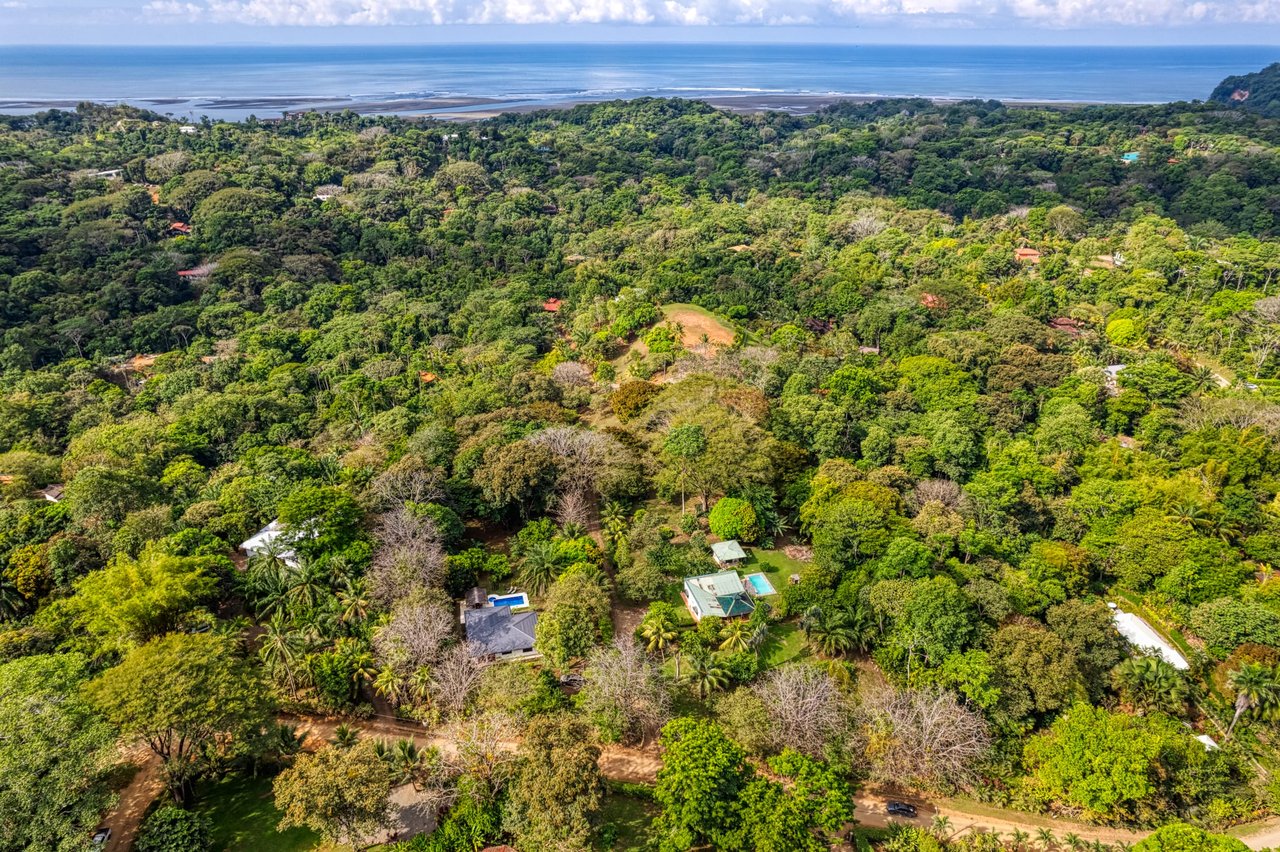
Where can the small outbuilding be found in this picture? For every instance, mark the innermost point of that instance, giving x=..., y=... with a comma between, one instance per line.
x=476, y=598
x=1026, y=255
x=552, y=305
x=727, y=553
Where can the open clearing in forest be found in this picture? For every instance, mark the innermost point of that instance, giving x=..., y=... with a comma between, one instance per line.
x=696, y=322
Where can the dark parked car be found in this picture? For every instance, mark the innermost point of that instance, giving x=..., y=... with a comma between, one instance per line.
x=901, y=809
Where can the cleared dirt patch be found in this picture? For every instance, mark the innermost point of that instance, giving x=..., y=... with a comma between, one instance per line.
x=697, y=322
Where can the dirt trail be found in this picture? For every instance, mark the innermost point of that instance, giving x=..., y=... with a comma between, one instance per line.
x=126, y=817
x=1265, y=835
x=633, y=765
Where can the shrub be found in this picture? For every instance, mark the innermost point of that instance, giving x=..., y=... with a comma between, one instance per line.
x=172, y=829
x=631, y=398
x=732, y=518
x=1226, y=623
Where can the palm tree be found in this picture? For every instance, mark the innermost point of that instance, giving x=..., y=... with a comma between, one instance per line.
x=307, y=584
x=540, y=567
x=1257, y=690
x=360, y=657
x=1149, y=683
x=420, y=685
x=345, y=736
x=736, y=636
x=941, y=826
x=353, y=602
x=407, y=763
x=11, y=600
x=659, y=633
x=1045, y=838
x=389, y=684
x=573, y=530
x=1019, y=838
x=830, y=634
x=1190, y=512
x=613, y=520
x=1074, y=840
x=282, y=648
x=707, y=676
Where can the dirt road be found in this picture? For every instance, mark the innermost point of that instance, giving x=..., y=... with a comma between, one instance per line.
x=637, y=765
x=961, y=819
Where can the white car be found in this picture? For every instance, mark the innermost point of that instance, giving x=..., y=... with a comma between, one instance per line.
x=101, y=837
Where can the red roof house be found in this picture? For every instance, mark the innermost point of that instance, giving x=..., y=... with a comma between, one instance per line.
x=1026, y=255
x=178, y=229
x=201, y=271
x=551, y=305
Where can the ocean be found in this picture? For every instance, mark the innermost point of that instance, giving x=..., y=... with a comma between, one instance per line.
x=234, y=82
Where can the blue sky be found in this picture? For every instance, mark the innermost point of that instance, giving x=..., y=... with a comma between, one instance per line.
x=1120, y=22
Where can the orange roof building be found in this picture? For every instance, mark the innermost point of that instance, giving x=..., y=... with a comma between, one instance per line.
x=1026, y=255
x=552, y=305
x=427, y=377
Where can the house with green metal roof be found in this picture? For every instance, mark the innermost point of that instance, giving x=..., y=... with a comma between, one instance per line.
x=721, y=595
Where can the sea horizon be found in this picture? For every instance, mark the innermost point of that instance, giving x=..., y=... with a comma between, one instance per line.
x=461, y=80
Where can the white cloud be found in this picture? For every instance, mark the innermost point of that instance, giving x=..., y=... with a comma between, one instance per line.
x=1039, y=13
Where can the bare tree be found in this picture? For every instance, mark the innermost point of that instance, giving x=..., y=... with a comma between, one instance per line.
x=923, y=737
x=485, y=748
x=943, y=491
x=455, y=679
x=806, y=708
x=408, y=480
x=1242, y=413
x=571, y=374
x=584, y=456
x=626, y=694
x=408, y=555
x=1264, y=321
x=572, y=507
x=415, y=635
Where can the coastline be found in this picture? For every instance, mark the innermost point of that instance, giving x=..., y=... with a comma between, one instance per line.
x=467, y=108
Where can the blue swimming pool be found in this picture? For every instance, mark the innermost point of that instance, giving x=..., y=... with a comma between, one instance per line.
x=519, y=599
x=760, y=585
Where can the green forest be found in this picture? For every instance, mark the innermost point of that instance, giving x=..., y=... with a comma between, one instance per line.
x=641, y=476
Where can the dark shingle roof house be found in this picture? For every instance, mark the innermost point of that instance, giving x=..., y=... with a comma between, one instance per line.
x=497, y=631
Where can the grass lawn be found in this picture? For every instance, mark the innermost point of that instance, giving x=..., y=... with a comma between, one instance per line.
x=630, y=817
x=774, y=564
x=785, y=644
x=245, y=818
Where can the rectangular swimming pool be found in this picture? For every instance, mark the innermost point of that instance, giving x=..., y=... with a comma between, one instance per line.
x=760, y=585
x=518, y=599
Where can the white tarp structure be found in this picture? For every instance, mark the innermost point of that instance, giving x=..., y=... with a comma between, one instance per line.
x=263, y=542
x=1146, y=640
x=1209, y=743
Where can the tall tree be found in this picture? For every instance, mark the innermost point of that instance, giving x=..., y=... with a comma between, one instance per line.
x=703, y=775
x=56, y=752
x=555, y=796
x=342, y=793
x=182, y=694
